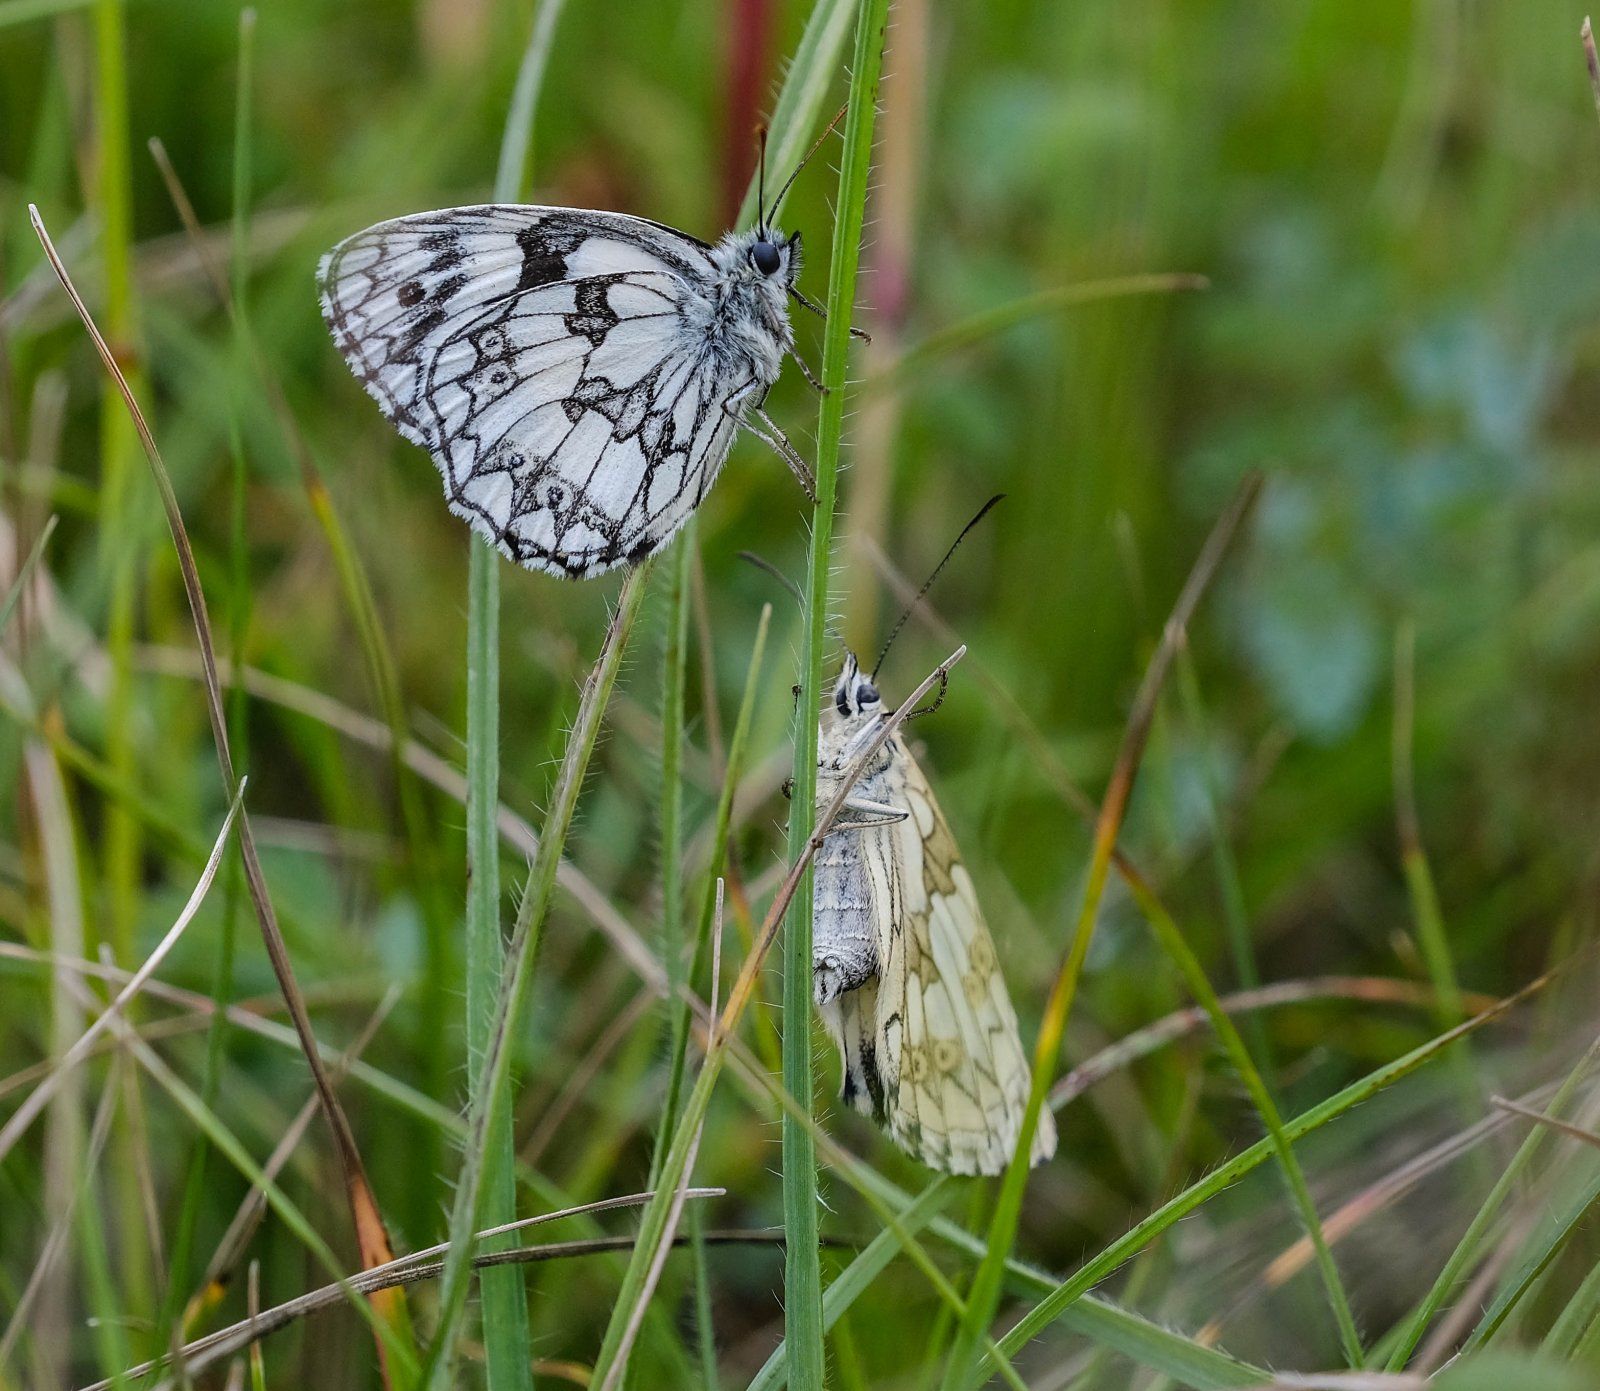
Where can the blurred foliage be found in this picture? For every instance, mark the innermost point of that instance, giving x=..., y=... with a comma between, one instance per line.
x=1396, y=207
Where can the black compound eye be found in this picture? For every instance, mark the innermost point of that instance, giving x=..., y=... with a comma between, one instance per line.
x=764, y=257
x=866, y=694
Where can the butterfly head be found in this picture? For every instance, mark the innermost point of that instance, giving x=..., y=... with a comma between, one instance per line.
x=771, y=256
x=854, y=695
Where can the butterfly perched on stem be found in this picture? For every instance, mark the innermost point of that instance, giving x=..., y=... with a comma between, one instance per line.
x=904, y=972
x=578, y=377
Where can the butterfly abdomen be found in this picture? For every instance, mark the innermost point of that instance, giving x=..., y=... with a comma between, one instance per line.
x=844, y=944
x=849, y=1019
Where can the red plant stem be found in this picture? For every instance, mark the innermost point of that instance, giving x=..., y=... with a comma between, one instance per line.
x=749, y=44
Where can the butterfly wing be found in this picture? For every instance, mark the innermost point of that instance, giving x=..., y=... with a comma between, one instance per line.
x=951, y=1077
x=541, y=356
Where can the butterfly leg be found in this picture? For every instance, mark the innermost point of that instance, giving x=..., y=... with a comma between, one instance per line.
x=938, y=700
x=822, y=313
x=769, y=432
x=866, y=814
x=808, y=374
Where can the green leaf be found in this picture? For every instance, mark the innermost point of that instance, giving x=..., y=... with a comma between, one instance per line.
x=1498, y=1371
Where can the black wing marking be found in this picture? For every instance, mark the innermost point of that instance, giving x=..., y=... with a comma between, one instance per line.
x=540, y=356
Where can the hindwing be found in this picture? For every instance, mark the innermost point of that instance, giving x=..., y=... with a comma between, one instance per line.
x=930, y=1046
x=543, y=358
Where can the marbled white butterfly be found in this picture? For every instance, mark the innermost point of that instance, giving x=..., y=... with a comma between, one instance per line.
x=578, y=377
x=904, y=972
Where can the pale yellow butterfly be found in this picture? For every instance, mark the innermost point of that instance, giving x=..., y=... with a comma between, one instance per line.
x=905, y=974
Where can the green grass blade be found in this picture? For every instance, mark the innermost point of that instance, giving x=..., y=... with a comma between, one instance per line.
x=122, y=538
x=1586, y=1352
x=120, y=510
x=704, y=1324
x=802, y=1267
x=1496, y=1370
x=1423, y=894
x=721, y=824
x=503, y=1289
x=858, y=1275
x=61, y=907
x=507, y=1353
x=423, y=861
x=104, y=1297
x=1466, y=1249
x=811, y=73
x=513, y=175
x=1235, y=915
x=912, y=364
x=1194, y=975
x=1577, y=1314
x=1556, y=1227
x=1142, y=1341
x=673, y=681
x=19, y=585
x=491, y=1079
x=657, y=1215
x=1431, y=934
x=1112, y=1257
x=986, y=1284
x=178, y=1260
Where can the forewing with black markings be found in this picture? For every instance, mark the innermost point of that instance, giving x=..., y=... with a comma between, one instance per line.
x=929, y=1043
x=546, y=358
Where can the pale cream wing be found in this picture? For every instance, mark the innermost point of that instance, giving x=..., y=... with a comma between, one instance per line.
x=954, y=1075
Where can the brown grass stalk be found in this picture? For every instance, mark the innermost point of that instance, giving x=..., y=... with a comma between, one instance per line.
x=420, y=1265
x=371, y=1236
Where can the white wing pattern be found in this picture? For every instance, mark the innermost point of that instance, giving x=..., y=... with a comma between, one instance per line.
x=542, y=356
x=930, y=1043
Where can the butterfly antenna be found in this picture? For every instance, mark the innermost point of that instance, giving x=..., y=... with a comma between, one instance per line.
x=788, y=183
x=761, y=177
x=762, y=563
x=928, y=583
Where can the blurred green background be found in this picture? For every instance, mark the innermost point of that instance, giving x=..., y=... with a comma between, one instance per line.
x=1395, y=207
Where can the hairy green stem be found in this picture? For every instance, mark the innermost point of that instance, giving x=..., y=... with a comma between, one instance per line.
x=673, y=681
x=491, y=1079
x=721, y=824
x=504, y=1288
x=803, y=1331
